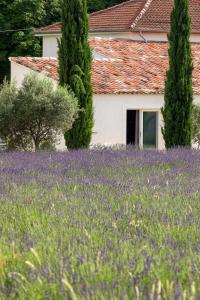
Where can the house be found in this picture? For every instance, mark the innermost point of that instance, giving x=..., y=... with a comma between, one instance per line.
x=129, y=65
x=128, y=84
x=141, y=20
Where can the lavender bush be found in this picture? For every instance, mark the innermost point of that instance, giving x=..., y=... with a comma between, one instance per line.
x=100, y=224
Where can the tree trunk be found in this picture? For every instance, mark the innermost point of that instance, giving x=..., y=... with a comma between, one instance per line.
x=37, y=145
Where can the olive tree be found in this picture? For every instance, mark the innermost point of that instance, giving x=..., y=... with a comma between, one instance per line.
x=36, y=113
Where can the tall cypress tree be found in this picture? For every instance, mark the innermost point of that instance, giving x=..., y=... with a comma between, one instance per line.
x=177, y=110
x=75, y=61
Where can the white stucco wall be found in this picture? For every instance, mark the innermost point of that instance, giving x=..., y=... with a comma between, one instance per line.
x=110, y=112
x=110, y=116
x=135, y=36
x=50, y=44
x=141, y=36
x=197, y=99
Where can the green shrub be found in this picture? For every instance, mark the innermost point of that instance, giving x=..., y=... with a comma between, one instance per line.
x=35, y=114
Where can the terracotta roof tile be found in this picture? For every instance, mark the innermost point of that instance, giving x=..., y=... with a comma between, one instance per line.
x=118, y=17
x=133, y=67
x=53, y=28
x=134, y=15
x=47, y=66
x=157, y=16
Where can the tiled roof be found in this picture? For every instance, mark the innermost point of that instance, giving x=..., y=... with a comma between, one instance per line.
x=157, y=17
x=119, y=17
x=134, y=15
x=46, y=65
x=53, y=28
x=133, y=67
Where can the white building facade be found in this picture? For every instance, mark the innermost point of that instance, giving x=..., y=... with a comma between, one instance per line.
x=129, y=67
x=119, y=119
x=50, y=41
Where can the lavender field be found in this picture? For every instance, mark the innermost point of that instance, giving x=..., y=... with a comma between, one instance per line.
x=103, y=225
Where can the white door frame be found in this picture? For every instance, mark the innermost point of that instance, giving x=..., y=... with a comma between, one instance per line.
x=141, y=110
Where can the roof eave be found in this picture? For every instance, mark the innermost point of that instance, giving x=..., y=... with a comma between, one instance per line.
x=111, y=30
x=124, y=30
x=158, y=30
x=46, y=33
x=91, y=31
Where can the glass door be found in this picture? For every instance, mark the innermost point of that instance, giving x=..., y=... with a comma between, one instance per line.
x=132, y=127
x=149, y=129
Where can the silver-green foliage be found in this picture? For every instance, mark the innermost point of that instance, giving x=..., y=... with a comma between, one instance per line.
x=36, y=113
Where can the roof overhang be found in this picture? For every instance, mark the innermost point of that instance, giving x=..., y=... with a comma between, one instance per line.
x=40, y=34
x=135, y=30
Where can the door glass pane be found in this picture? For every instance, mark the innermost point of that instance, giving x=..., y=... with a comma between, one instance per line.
x=132, y=127
x=149, y=129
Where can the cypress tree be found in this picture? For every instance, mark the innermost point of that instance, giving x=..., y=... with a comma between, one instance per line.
x=177, y=111
x=75, y=61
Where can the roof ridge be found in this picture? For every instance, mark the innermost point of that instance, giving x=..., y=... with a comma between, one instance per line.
x=111, y=7
x=41, y=29
x=141, y=14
